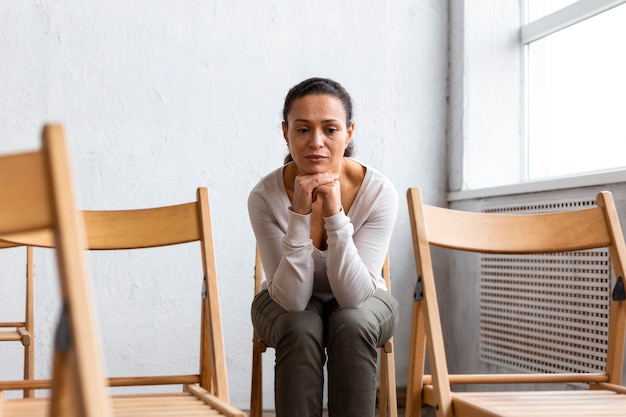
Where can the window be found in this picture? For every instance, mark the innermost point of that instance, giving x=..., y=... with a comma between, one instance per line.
x=575, y=92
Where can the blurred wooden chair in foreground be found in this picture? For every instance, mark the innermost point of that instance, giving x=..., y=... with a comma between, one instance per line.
x=41, y=212
x=23, y=331
x=387, y=397
x=36, y=190
x=560, y=232
x=203, y=393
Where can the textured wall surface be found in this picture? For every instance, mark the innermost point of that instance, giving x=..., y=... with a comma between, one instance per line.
x=159, y=97
x=485, y=118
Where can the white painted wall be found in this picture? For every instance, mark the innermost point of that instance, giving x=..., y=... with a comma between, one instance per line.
x=486, y=84
x=161, y=96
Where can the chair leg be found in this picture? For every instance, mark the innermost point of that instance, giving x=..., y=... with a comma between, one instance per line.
x=388, y=405
x=416, y=363
x=62, y=403
x=29, y=367
x=256, y=391
x=29, y=349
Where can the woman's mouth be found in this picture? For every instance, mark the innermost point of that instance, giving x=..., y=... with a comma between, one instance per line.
x=316, y=158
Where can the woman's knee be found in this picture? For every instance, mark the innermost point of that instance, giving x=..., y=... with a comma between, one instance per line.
x=375, y=321
x=351, y=323
x=299, y=327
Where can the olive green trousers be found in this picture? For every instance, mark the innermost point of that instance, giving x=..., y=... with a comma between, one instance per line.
x=349, y=336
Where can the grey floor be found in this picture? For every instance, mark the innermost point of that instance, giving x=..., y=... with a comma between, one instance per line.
x=426, y=412
x=325, y=414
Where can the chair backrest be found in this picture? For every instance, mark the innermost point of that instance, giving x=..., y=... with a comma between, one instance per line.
x=37, y=192
x=158, y=227
x=589, y=228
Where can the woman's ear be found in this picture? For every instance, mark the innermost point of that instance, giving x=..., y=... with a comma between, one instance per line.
x=350, y=131
x=284, y=127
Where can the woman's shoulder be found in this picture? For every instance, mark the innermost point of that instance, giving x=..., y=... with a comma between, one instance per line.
x=270, y=182
x=374, y=177
x=266, y=191
x=377, y=196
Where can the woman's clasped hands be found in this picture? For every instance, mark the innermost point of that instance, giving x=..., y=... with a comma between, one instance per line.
x=314, y=192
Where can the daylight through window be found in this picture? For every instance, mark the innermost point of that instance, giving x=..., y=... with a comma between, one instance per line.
x=575, y=87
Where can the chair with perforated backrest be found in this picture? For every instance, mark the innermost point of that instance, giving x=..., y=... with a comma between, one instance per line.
x=23, y=331
x=388, y=404
x=205, y=392
x=36, y=191
x=490, y=233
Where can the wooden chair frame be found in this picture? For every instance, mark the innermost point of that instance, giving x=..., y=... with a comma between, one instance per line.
x=513, y=234
x=37, y=193
x=24, y=331
x=157, y=227
x=387, y=398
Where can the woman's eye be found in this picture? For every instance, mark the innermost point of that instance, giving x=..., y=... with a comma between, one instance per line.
x=302, y=130
x=331, y=129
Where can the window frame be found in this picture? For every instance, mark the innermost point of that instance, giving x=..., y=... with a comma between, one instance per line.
x=540, y=28
x=474, y=138
x=565, y=17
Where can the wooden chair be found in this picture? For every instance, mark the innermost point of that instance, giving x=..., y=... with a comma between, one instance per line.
x=24, y=331
x=206, y=392
x=36, y=191
x=388, y=404
x=512, y=234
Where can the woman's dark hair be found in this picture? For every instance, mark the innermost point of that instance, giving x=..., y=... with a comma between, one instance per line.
x=319, y=86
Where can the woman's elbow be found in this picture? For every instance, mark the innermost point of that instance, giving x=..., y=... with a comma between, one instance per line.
x=353, y=300
x=289, y=303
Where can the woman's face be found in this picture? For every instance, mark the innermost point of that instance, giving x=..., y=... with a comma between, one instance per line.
x=316, y=133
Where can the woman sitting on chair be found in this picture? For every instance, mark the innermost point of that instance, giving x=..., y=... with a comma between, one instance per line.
x=323, y=223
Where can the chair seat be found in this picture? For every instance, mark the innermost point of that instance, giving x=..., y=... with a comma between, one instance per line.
x=576, y=403
x=196, y=403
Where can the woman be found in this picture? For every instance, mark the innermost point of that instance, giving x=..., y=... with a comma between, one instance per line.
x=323, y=223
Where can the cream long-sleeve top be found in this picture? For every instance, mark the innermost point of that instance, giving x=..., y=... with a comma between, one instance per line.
x=357, y=243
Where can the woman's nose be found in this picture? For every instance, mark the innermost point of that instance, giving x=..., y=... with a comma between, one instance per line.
x=317, y=138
